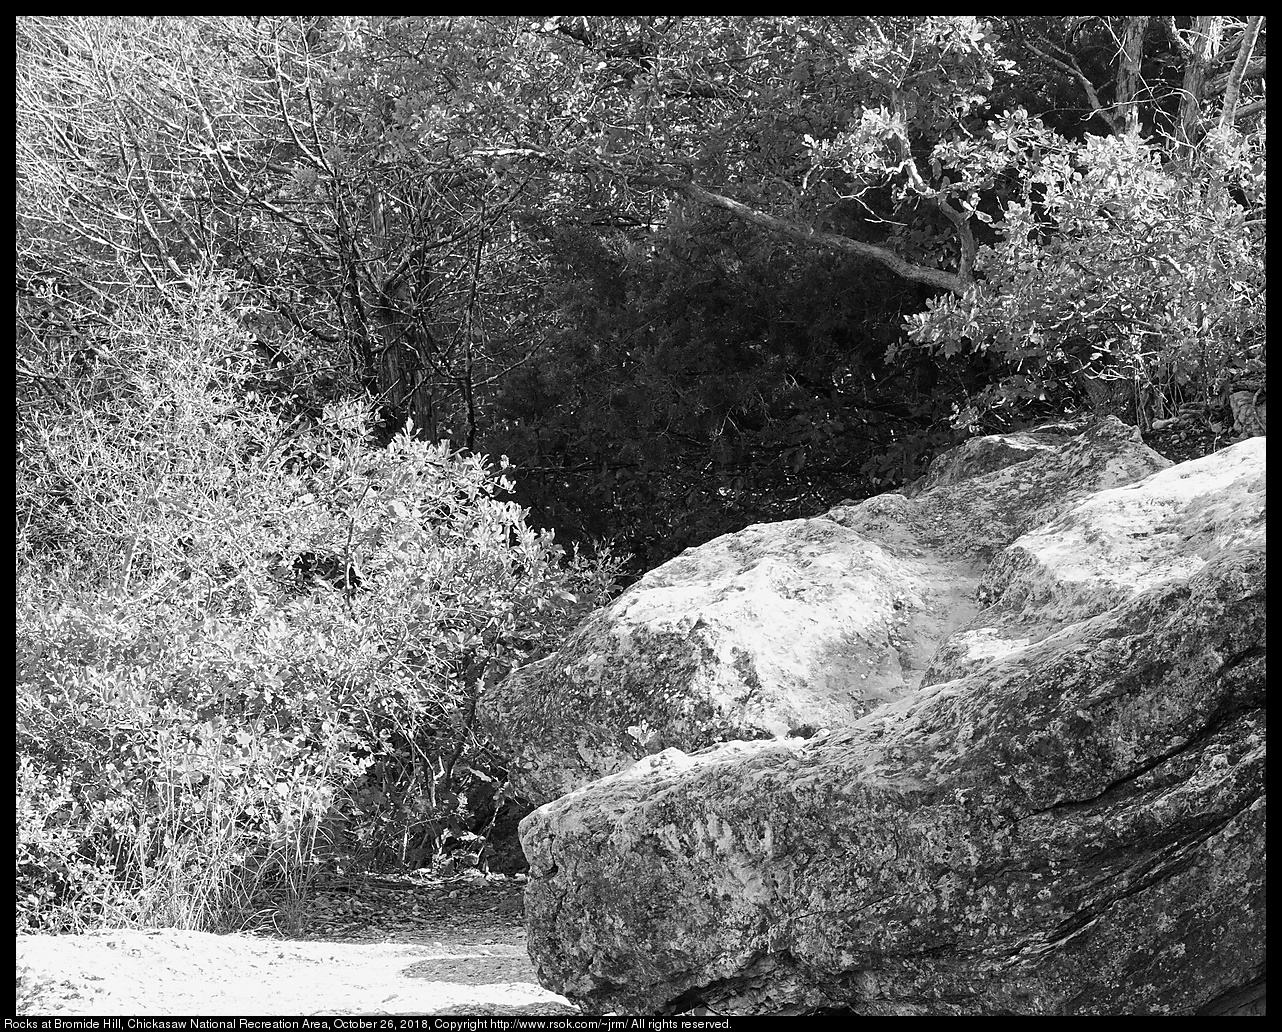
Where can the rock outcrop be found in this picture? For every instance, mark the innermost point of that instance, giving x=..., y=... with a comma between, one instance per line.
x=1063, y=812
x=795, y=627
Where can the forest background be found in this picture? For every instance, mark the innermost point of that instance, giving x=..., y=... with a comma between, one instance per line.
x=358, y=358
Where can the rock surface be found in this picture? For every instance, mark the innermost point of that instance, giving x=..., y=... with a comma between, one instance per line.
x=1063, y=814
x=791, y=628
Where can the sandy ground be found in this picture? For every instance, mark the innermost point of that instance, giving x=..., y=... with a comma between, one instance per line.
x=180, y=973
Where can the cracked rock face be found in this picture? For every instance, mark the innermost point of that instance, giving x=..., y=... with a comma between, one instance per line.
x=786, y=629
x=1061, y=809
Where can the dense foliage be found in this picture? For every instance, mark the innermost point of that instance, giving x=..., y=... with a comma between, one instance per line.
x=283, y=282
x=244, y=645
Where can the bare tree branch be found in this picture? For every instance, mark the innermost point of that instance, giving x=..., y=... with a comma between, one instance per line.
x=808, y=234
x=1255, y=69
x=1071, y=68
x=1246, y=110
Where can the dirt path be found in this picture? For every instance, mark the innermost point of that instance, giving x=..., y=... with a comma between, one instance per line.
x=392, y=949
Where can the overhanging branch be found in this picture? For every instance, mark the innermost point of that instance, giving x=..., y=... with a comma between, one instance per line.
x=950, y=281
x=809, y=235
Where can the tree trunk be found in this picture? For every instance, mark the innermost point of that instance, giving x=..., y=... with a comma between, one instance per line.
x=402, y=371
x=1207, y=32
x=403, y=351
x=1128, y=72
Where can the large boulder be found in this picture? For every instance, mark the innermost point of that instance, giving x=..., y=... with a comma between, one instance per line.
x=1067, y=815
x=786, y=629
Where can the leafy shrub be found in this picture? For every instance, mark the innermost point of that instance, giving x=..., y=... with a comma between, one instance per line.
x=51, y=877
x=1139, y=284
x=248, y=648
